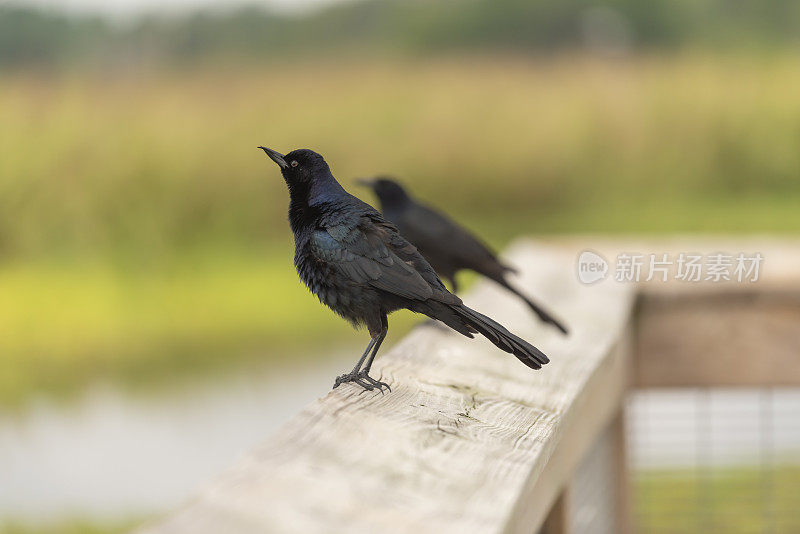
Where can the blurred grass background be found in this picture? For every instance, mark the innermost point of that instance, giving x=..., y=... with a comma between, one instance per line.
x=76, y=526
x=143, y=236
x=142, y=233
x=734, y=500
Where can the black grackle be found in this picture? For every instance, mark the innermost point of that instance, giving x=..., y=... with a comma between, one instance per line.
x=358, y=264
x=448, y=246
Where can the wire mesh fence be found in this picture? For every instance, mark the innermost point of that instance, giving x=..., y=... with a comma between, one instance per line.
x=715, y=460
x=593, y=491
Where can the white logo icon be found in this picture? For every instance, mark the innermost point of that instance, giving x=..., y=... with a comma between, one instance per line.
x=592, y=267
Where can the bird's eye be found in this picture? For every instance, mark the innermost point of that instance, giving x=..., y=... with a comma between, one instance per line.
x=294, y=163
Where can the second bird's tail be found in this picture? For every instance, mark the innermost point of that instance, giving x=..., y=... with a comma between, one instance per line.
x=538, y=310
x=501, y=337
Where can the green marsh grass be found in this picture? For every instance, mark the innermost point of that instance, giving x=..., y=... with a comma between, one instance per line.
x=735, y=500
x=143, y=235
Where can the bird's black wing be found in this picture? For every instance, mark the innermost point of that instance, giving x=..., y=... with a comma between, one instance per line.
x=373, y=252
x=432, y=230
x=406, y=251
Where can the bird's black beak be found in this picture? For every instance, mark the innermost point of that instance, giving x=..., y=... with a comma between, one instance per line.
x=365, y=182
x=275, y=156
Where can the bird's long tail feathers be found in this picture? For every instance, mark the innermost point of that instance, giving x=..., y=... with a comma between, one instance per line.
x=538, y=310
x=508, y=268
x=502, y=338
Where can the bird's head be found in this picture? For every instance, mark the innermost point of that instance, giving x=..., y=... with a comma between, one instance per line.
x=389, y=192
x=299, y=166
x=307, y=176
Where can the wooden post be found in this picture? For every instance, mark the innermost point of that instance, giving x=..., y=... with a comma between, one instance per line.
x=623, y=493
x=557, y=520
x=469, y=440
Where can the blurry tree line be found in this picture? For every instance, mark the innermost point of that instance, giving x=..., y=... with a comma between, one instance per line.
x=29, y=35
x=167, y=160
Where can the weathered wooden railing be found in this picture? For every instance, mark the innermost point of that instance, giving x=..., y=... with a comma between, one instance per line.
x=469, y=440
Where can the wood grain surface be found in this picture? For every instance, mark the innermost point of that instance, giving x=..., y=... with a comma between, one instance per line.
x=469, y=440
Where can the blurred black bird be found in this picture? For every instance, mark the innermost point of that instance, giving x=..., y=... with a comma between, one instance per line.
x=448, y=246
x=358, y=265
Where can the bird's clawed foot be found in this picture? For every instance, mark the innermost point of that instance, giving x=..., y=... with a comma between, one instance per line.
x=376, y=383
x=362, y=379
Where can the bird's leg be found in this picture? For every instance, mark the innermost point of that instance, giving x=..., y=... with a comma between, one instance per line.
x=364, y=373
x=378, y=340
x=354, y=375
